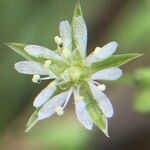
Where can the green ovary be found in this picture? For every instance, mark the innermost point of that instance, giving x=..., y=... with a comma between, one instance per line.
x=74, y=73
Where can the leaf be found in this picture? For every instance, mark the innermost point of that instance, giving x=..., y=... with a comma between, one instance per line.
x=94, y=111
x=114, y=61
x=142, y=103
x=79, y=31
x=32, y=120
x=19, y=48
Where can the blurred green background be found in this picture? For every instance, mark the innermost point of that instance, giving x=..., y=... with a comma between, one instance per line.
x=37, y=21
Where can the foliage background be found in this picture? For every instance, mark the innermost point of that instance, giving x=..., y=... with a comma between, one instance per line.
x=36, y=21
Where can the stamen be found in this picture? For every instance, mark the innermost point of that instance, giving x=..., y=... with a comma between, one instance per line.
x=97, y=50
x=46, y=78
x=67, y=100
x=59, y=110
x=58, y=40
x=47, y=63
x=36, y=78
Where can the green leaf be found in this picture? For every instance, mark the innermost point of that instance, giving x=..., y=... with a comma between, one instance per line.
x=19, y=48
x=96, y=114
x=79, y=31
x=114, y=61
x=142, y=103
x=32, y=120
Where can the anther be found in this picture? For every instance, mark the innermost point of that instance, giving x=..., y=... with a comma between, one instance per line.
x=58, y=40
x=36, y=78
x=59, y=110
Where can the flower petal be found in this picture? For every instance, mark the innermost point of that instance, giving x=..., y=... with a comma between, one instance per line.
x=30, y=67
x=82, y=113
x=103, y=53
x=80, y=35
x=107, y=74
x=39, y=51
x=102, y=100
x=44, y=95
x=66, y=34
x=48, y=108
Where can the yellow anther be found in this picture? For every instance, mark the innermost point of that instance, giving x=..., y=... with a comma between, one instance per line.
x=101, y=87
x=97, y=50
x=36, y=78
x=58, y=40
x=47, y=63
x=59, y=110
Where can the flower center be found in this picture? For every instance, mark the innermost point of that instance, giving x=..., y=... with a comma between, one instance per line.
x=72, y=74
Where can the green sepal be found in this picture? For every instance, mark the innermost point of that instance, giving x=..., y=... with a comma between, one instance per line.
x=32, y=120
x=62, y=87
x=19, y=49
x=57, y=66
x=92, y=107
x=114, y=61
x=79, y=31
x=78, y=10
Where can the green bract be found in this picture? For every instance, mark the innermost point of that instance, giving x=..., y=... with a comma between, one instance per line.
x=72, y=72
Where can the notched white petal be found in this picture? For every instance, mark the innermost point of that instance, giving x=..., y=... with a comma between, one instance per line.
x=103, y=53
x=30, y=67
x=80, y=35
x=66, y=34
x=48, y=109
x=39, y=51
x=44, y=95
x=82, y=113
x=107, y=74
x=103, y=101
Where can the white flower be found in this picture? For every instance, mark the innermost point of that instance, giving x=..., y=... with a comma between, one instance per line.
x=50, y=104
x=72, y=72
